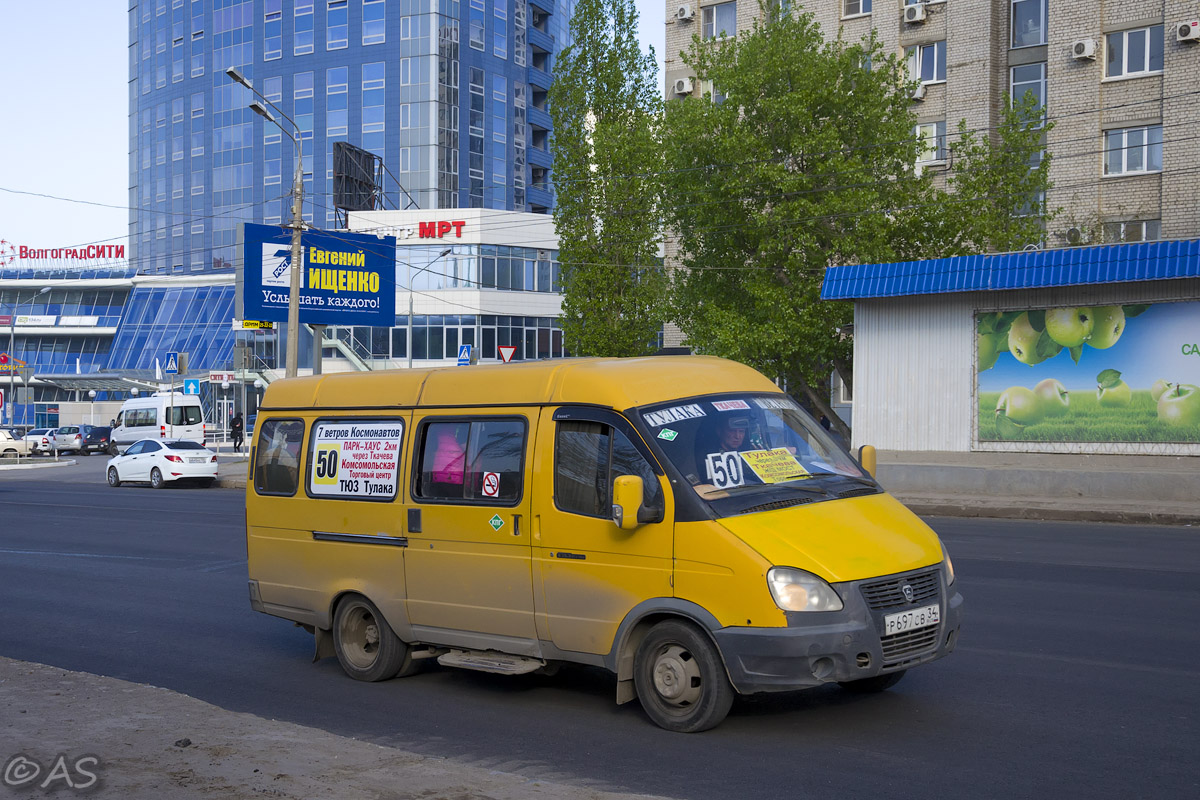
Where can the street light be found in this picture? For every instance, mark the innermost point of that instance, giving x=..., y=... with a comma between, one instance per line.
x=297, y=224
x=12, y=346
x=411, y=276
x=92, y=397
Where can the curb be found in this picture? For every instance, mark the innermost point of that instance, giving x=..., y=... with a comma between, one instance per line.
x=1030, y=510
x=45, y=465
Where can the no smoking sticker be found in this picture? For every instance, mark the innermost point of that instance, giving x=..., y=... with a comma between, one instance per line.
x=491, y=484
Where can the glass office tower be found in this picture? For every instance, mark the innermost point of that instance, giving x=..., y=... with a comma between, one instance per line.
x=450, y=93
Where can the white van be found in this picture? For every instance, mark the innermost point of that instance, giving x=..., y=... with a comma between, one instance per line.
x=159, y=416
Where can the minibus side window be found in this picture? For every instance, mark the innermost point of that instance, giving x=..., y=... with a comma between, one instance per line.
x=589, y=457
x=277, y=457
x=471, y=461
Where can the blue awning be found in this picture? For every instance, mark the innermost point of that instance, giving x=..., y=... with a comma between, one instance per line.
x=1075, y=266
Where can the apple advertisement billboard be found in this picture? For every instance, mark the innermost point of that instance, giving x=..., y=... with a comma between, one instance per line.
x=1120, y=373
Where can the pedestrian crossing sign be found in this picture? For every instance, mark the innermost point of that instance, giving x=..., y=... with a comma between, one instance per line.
x=172, y=367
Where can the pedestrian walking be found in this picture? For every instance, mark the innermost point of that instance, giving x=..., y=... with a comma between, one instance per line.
x=237, y=427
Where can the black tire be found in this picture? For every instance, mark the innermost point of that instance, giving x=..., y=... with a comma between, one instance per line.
x=207, y=482
x=879, y=683
x=112, y=448
x=156, y=479
x=9, y=454
x=83, y=451
x=114, y=480
x=366, y=646
x=680, y=678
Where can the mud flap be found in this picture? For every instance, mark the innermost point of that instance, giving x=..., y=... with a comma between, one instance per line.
x=323, y=639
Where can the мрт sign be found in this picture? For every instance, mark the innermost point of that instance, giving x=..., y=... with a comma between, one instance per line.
x=345, y=278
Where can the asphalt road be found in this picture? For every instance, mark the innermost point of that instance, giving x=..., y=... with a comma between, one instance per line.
x=1077, y=673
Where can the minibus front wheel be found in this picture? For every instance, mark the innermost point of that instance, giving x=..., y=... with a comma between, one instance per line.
x=365, y=644
x=680, y=678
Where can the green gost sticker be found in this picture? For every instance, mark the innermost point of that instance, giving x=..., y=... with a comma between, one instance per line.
x=496, y=522
x=668, y=434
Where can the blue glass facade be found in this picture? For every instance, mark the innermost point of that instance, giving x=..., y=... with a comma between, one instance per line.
x=459, y=121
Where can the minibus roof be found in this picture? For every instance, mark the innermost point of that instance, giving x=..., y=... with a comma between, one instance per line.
x=618, y=383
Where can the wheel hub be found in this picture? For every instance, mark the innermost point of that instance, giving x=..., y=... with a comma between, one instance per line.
x=676, y=676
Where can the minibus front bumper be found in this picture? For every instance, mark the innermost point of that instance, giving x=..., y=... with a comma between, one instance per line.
x=838, y=646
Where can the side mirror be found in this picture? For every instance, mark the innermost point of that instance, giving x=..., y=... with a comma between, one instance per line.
x=866, y=457
x=627, y=501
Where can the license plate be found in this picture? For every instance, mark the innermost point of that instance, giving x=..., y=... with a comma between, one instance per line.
x=912, y=619
x=197, y=460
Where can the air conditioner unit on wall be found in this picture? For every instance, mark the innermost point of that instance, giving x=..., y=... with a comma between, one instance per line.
x=683, y=86
x=1188, y=31
x=1084, y=48
x=685, y=12
x=914, y=13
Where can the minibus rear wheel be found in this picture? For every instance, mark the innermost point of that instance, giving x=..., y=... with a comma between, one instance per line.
x=366, y=646
x=680, y=679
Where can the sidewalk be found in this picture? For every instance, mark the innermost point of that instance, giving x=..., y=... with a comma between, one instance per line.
x=1135, y=489
x=144, y=741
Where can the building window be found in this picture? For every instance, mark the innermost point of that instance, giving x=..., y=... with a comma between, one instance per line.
x=476, y=24
x=1029, y=79
x=1146, y=230
x=336, y=95
x=272, y=30
x=1028, y=22
x=337, y=27
x=373, y=85
x=500, y=31
x=1133, y=150
x=927, y=62
x=374, y=30
x=932, y=136
x=1137, y=52
x=852, y=8
x=719, y=20
x=303, y=39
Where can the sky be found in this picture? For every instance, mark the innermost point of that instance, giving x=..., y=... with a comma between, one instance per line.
x=66, y=118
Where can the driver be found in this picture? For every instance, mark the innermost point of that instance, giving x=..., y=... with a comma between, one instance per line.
x=731, y=435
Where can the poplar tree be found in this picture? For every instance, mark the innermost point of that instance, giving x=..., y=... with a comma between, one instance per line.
x=606, y=110
x=805, y=159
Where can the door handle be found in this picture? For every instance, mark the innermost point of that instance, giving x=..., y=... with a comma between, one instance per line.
x=516, y=524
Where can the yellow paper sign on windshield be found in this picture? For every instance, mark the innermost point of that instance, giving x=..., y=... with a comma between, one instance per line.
x=774, y=466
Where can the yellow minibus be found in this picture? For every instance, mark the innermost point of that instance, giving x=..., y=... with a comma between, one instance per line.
x=677, y=520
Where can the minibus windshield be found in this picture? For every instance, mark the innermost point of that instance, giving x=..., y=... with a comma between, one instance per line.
x=729, y=445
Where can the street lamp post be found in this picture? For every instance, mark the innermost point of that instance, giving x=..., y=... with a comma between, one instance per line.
x=411, y=277
x=297, y=224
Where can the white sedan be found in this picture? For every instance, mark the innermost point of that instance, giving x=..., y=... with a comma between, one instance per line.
x=158, y=461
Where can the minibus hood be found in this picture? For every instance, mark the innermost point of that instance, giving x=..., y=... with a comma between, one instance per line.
x=841, y=540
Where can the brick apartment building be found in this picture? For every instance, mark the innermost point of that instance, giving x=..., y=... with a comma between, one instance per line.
x=1120, y=81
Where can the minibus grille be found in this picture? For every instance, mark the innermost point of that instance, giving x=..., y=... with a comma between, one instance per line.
x=887, y=594
x=900, y=646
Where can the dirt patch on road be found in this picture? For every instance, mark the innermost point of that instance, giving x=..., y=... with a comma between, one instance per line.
x=152, y=742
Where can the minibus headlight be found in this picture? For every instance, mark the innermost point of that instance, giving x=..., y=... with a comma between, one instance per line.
x=947, y=567
x=796, y=590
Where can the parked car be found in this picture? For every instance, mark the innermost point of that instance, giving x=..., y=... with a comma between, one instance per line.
x=160, y=462
x=98, y=440
x=69, y=438
x=39, y=440
x=12, y=446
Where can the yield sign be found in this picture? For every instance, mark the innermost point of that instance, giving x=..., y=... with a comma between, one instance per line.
x=506, y=352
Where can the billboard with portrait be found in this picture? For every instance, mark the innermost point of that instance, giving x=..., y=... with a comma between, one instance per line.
x=345, y=278
x=1119, y=373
